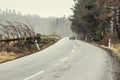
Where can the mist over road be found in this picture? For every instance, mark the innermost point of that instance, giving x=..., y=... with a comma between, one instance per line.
x=65, y=60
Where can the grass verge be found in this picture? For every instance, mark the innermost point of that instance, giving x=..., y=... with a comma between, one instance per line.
x=10, y=52
x=115, y=48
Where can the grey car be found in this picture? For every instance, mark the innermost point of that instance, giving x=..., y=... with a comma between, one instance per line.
x=72, y=37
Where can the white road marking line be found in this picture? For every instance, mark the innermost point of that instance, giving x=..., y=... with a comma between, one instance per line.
x=73, y=44
x=73, y=51
x=34, y=75
x=64, y=59
x=56, y=64
x=74, y=47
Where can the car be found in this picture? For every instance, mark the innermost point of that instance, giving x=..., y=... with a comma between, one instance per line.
x=72, y=37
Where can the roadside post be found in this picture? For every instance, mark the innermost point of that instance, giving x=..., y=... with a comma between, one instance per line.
x=86, y=39
x=109, y=43
x=37, y=45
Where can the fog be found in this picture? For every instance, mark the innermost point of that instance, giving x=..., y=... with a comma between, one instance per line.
x=46, y=26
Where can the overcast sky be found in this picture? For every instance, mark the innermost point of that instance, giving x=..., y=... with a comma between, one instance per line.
x=43, y=8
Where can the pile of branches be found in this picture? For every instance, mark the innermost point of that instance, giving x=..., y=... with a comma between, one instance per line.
x=17, y=37
x=15, y=29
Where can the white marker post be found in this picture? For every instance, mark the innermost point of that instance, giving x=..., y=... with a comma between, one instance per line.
x=109, y=43
x=37, y=45
x=86, y=38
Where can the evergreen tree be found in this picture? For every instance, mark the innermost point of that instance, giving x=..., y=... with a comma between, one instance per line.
x=92, y=17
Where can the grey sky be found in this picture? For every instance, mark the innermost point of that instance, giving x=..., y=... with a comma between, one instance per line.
x=44, y=8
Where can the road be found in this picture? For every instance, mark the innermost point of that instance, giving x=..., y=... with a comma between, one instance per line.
x=65, y=60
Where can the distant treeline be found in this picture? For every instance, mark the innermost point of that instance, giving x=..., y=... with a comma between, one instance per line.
x=47, y=26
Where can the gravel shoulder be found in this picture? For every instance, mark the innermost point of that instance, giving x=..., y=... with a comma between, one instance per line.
x=115, y=62
x=114, y=59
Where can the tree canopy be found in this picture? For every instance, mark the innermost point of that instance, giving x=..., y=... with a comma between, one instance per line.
x=92, y=17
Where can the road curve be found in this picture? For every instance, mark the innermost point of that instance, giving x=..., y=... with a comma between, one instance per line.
x=65, y=60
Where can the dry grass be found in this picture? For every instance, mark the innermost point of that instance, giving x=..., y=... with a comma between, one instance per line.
x=115, y=48
x=4, y=56
x=11, y=52
x=7, y=56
